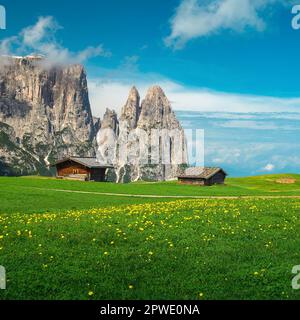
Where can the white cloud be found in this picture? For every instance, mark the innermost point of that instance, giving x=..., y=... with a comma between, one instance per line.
x=269, y=167
x=113, y=94
x=199, y=18
x=43, y=29
x=40, y=39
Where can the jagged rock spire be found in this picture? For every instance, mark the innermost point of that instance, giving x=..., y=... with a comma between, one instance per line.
x=110, y=120
x=156, y=111
x=131, y=110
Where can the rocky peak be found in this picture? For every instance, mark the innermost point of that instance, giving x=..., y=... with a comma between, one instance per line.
x=155, y=92
x=110, y=120
x=47, y=107
x=131, y=110
x=156, y=111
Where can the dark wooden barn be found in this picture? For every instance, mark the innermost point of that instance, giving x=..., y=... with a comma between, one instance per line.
x=203, y=176
x=85, y=169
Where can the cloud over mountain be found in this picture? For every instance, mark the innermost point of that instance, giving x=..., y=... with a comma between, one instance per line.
x=40, y=39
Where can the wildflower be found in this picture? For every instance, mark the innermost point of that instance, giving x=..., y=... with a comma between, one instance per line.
x=130, y=286
x=91, y=293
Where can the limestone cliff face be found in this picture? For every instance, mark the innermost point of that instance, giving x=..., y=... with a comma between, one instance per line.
x=47, y=112
x=149, y=143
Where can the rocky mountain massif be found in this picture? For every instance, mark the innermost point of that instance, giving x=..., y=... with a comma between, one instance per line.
x=147, y=142
x=45, y=115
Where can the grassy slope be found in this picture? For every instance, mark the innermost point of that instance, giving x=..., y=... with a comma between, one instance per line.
x=223, y=249
x=24, y=195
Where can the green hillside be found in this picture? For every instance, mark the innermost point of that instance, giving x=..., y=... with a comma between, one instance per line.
x=59, y=244
x=33, y=194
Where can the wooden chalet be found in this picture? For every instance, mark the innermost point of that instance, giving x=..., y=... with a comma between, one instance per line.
x=203, y=176
x=84, y=169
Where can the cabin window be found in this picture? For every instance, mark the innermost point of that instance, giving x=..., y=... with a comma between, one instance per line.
x=75, y=171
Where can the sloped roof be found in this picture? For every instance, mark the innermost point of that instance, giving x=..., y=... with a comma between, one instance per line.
x=201, y=172
x=87, y=162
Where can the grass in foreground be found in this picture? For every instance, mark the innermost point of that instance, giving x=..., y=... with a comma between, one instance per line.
x=195, y=249
x=32, y=194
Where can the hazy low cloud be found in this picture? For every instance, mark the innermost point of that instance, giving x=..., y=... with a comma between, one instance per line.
x=269, y=167
x=40, y=39
x=113, y=94
x=199, y=18
x=256, y=125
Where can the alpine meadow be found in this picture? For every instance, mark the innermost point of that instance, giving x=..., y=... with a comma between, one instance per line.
x=69, y=241
x=149, y=158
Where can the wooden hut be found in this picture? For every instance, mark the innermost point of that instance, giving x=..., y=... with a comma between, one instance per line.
x=84, y=169
x=203, y=176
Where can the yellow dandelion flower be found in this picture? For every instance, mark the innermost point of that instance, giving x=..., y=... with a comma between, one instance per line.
x=90, y=293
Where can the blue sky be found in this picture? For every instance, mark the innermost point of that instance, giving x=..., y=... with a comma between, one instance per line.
x=224, y=57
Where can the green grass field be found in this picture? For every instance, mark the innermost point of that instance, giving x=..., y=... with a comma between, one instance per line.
x=64, y=245
x=32, y=194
